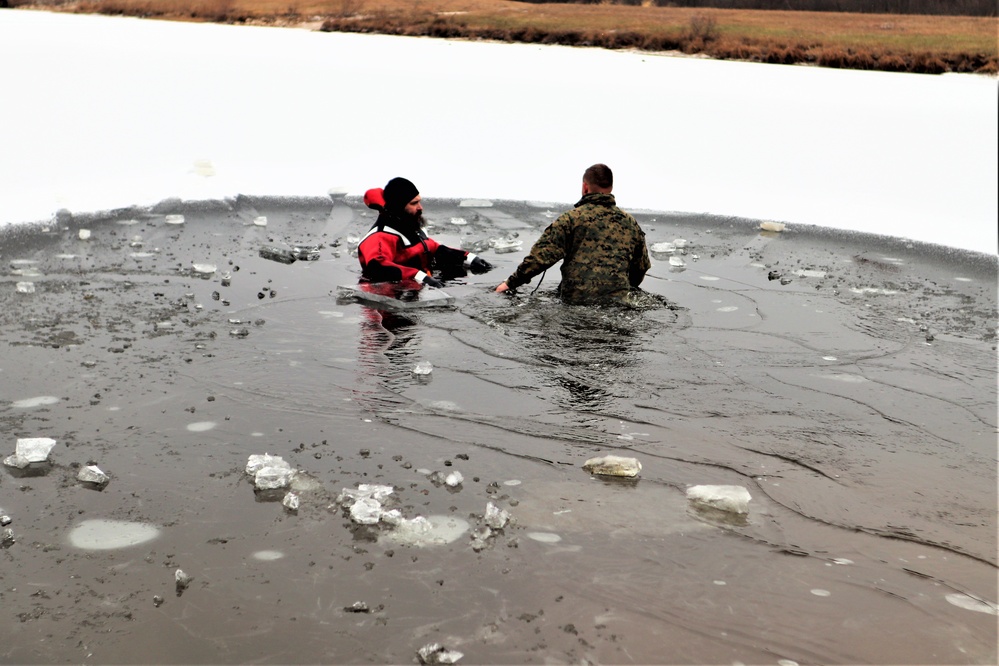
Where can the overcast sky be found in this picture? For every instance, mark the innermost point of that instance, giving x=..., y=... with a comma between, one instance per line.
x=103, y=112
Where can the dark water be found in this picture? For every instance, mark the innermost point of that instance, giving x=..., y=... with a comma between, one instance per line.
x=855, y=399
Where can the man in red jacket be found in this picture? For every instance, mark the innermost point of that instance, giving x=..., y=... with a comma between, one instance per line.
x=396, y=248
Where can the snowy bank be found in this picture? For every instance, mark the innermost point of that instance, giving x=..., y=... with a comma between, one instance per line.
x=109, y=112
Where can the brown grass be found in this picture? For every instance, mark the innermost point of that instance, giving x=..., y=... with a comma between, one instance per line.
x=903, y=43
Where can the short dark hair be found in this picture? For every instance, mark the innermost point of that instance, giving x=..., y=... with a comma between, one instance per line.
x=600, y=176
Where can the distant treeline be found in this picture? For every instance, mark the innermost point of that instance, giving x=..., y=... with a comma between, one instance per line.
x=942, y=7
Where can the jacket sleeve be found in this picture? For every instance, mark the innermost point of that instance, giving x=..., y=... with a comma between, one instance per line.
x=377, y=255
x=640, y=263
x=547, y=251
x=448, y=257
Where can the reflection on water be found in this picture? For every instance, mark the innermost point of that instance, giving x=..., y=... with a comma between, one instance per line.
x=867, y=448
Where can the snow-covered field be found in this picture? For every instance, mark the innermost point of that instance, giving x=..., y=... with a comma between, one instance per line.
x=104, y=112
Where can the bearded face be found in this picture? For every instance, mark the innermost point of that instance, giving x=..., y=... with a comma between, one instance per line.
x=413, y=212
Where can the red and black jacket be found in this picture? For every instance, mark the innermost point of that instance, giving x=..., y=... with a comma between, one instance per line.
x=397, y=249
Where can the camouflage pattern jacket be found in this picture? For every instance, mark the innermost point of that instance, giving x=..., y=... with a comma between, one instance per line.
x=602, y=249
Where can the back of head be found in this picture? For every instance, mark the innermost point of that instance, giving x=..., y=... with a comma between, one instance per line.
x=398, y=192
x=600, y=178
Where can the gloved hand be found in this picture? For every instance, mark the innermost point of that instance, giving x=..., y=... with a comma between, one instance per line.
x=431, y=281
x=480, y=265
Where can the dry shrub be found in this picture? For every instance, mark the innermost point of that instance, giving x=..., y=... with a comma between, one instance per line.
x=928, y=64
x=220, y=11
x=892, y=63
x=702, y=27
x=347, y=8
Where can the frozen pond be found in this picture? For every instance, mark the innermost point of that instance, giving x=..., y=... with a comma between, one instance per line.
x=847, y=382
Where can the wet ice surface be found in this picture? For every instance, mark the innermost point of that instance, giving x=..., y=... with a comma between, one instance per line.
x=852, y=396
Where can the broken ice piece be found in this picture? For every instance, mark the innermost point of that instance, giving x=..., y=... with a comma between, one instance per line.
x=182, y=580
x=423, y=368
x=306, y=252
x=291, y=501
x=29, y=450
x=772, y=226
x=204, y=269
x=25, y=287
x=734, y=499
x=93, y=474
x=257, y=462
x=277, y=254
x=260, y=221
x=348, y=496
x=84, y=234
x=435, y=653
x=357, y=607
x=270, y=478
x=7, y=538
x=496, y=517
x=366, y=511
x=611, y=465
x=454, y=479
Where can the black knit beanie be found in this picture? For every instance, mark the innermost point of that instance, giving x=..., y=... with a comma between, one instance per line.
x=399, y=192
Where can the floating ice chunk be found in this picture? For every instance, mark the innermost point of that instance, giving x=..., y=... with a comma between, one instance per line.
x=201, y=426
x=260, y=221
x=681, y=243
x=39, y=401
x=435, y=653
x=676, y=261
x=100, y=534
x=544, y=537
x=337, y=192
x=7, y=538
x=269, y=472
x=257, y=462
x=459, y=221
x=611, y=465
x=348, y=496
x=25, y=287
x=278, y=254
x=423, y=368
x=820, y=592
x=772, y=226
x=475, y=203
x=496, y=517
x=204, y=269
x=662, y=247
x=291, y=501
x=430, y=531
x=306, y=252
x=174, y=219
x=454, y=479
x=272, y=477
x=84, y=234
x=268, y=555
x=366, y=511
x=93, y=474
x=973, y=604
x=29, y=450
x=181, y=580
x=734, y=499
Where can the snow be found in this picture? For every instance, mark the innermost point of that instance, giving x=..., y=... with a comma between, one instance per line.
x=107, y=112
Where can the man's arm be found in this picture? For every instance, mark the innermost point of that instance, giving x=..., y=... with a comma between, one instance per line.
x=640, y=263
x=546, y=252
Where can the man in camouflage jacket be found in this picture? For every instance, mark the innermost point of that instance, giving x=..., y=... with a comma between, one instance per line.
x=602, y=248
